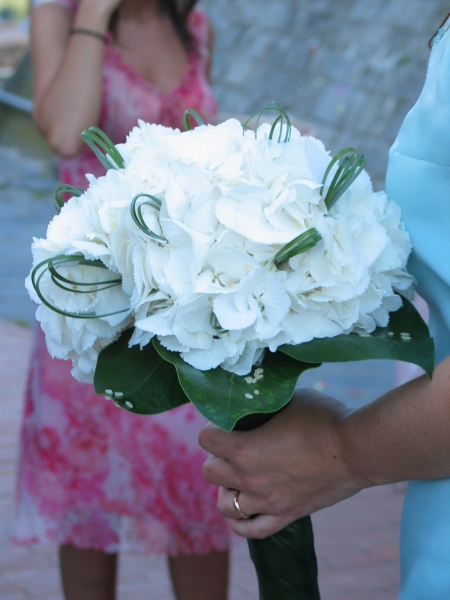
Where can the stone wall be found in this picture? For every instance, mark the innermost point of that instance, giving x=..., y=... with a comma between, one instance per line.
x=353, y=68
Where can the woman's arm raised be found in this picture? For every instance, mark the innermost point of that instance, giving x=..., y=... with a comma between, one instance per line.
x=316, y=452
x=68, y=71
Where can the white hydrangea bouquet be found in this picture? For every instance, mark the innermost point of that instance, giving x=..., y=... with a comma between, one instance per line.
x=217, y=264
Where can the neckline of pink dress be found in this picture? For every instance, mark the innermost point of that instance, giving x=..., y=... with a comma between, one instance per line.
x=193, y=58
x=134, y=74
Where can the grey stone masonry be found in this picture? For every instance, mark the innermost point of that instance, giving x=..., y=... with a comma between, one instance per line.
x=352, y=68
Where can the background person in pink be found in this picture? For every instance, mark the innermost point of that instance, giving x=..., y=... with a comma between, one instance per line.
x=94, y=479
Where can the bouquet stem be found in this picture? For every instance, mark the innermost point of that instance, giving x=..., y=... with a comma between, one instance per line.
x=285, y=562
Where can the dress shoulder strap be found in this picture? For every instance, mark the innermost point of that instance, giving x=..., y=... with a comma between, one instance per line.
x=198, y=25
x=440, y=32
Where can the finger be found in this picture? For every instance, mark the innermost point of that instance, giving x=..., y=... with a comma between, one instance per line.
x=219, y=471
x=216, y=441
x=260, y=526
x=227, y=508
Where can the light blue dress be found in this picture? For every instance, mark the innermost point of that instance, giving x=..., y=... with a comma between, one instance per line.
x=418, y=179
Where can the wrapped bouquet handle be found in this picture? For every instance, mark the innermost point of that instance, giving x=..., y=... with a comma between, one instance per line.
x=285, y=562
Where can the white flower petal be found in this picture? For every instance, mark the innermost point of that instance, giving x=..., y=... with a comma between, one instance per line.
x=229, y=316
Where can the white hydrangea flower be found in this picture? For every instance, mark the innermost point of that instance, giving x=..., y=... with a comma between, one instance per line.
x=196, y=262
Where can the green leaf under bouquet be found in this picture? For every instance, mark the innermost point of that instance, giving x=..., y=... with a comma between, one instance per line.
x=153, y=380
x=139, y=380
x=224, y=398
x=406, y=338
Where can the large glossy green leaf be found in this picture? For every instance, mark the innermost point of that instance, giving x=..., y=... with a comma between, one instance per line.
x=138, y=380
x=224, y=398
x=286, y=563
x=406, y=338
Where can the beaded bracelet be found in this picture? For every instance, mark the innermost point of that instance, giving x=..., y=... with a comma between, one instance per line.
x=83, y=31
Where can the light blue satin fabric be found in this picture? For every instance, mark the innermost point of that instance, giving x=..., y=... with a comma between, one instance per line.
x=418, y=179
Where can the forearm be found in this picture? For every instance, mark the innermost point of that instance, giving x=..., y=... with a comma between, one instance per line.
x=404, y=435
x=70, y=100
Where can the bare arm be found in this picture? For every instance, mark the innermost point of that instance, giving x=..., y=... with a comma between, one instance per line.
x=316, y=452
x=68, y=71
x=404, y=435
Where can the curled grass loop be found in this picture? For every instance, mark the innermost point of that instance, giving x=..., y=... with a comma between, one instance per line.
x=64, y=188
x=298, y=245
x=50, y=265
x=282, y=120
x=136, y=214
x=190, y=112
x=350, y=168
x=97, y=141
x=216, y=325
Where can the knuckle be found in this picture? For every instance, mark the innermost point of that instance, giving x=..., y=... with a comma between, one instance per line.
x=241, y=452
x=207, y=471
x=253, y=530
x=238, y=528
x=272, y=503
x=204, y=438
x=245, y=483
x=265, y=530
x=250, y=483
x=221, y=509
x=259, y=534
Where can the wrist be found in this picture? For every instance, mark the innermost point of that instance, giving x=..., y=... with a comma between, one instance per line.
x=350, y=453
x=94, y=16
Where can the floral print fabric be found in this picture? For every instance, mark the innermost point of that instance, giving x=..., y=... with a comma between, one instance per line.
x=91, y=474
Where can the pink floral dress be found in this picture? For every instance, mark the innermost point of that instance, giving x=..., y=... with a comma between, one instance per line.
x=93, y=475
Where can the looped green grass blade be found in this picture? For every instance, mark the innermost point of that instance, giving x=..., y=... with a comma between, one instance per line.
x=63, y=188
x=298, y=245
x=282, y=120
x=350, y=168
x=136, y=214
x=216, y=325
x=60, y=281
x=51, y=265
x=97, y=141
x=190, y=112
